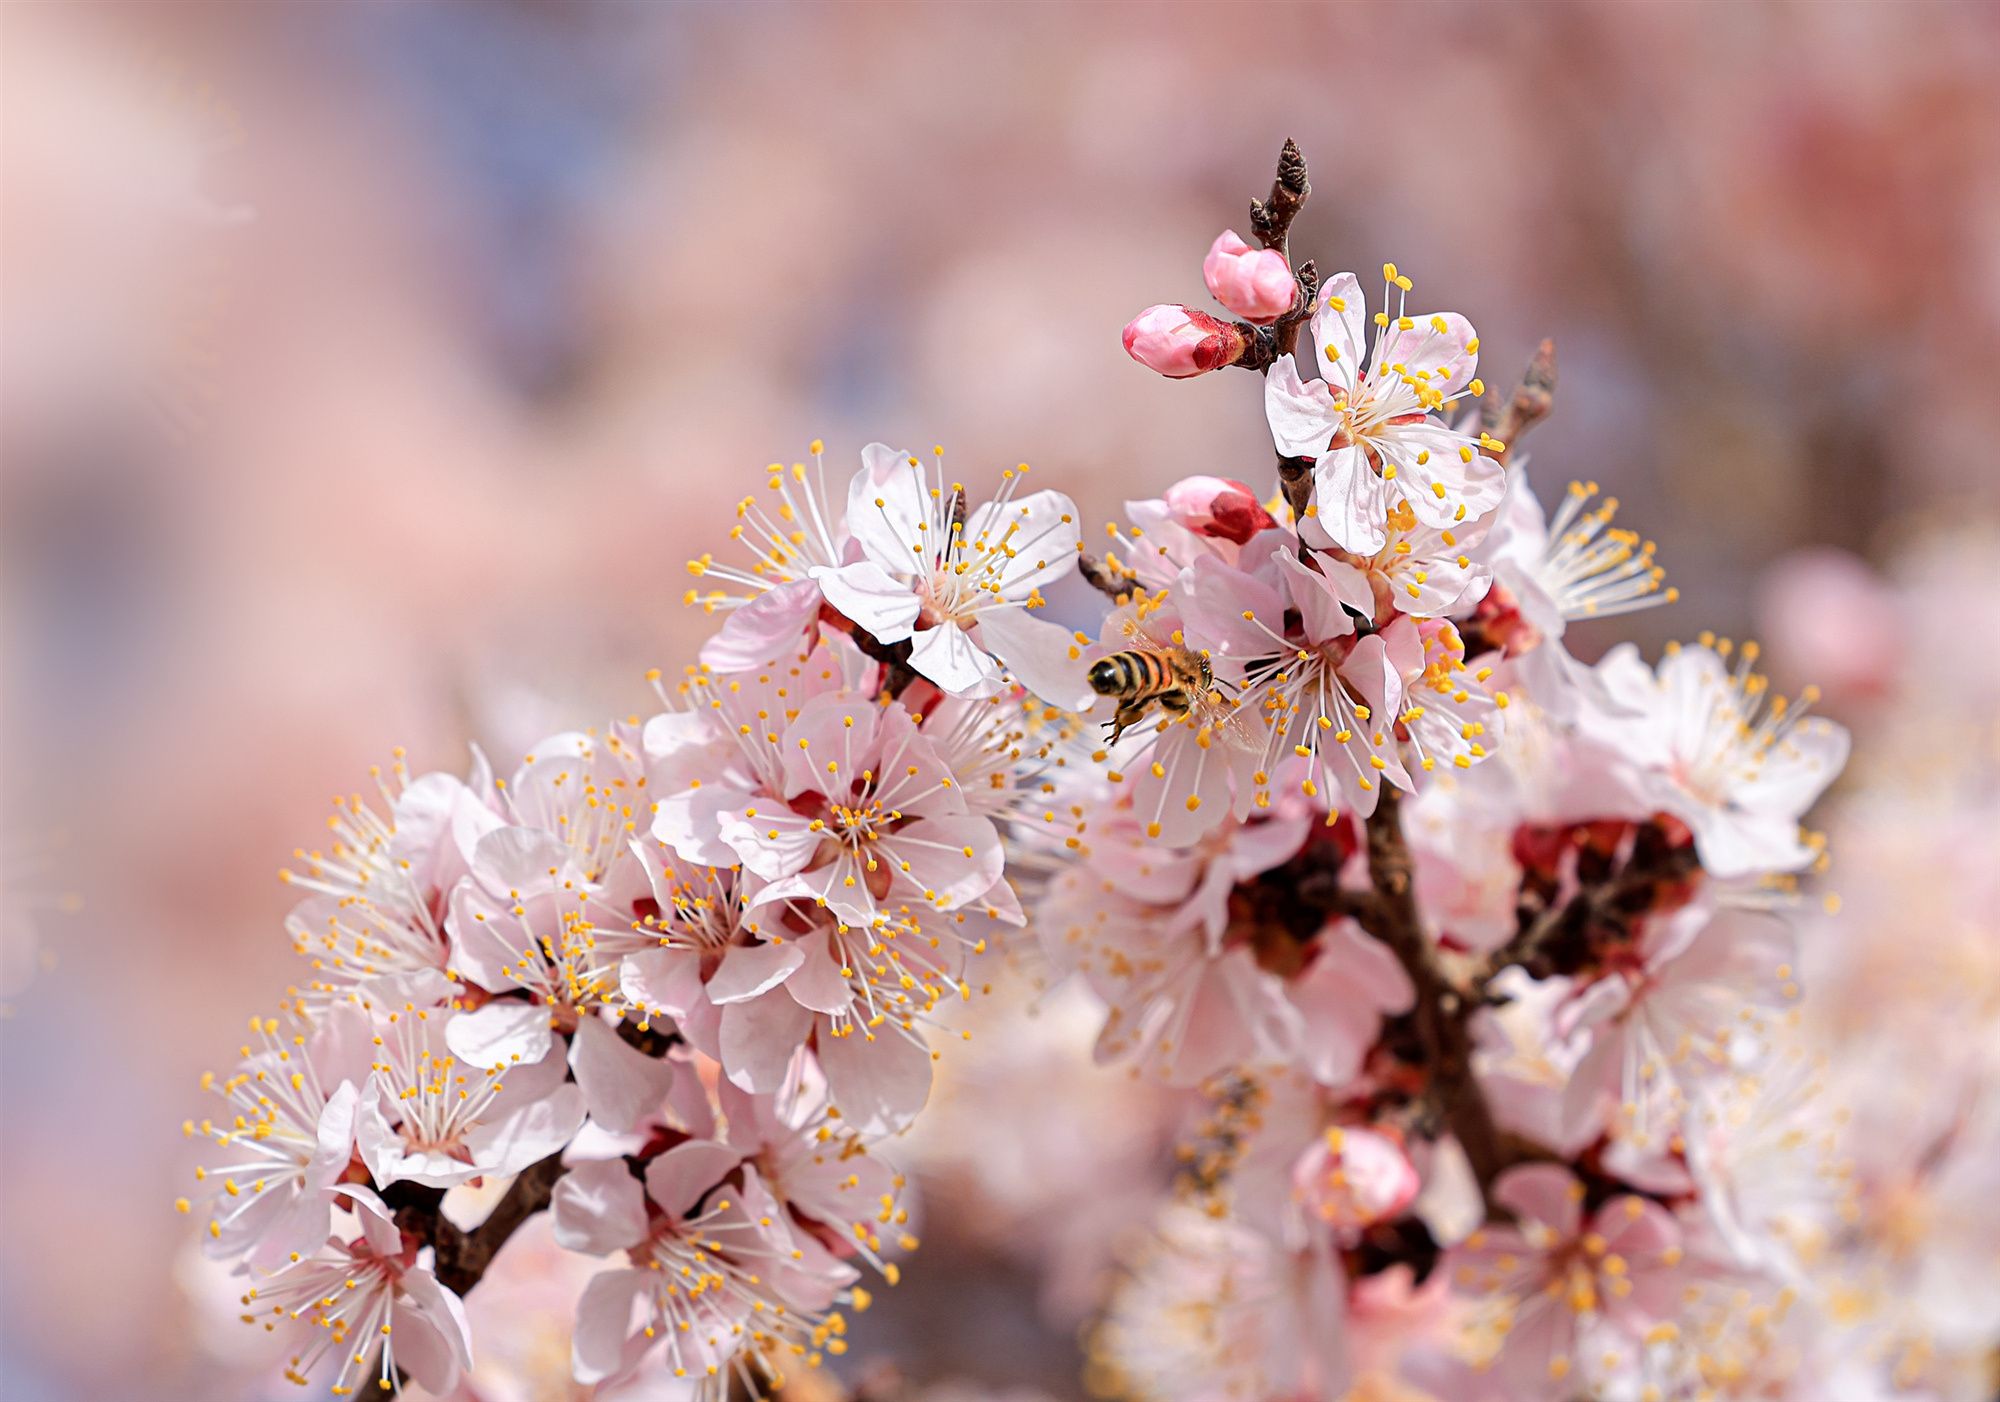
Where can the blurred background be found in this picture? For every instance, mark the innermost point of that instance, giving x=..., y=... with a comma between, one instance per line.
x=532, y=292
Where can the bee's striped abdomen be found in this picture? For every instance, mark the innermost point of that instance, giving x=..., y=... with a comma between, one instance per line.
x=1135, y=675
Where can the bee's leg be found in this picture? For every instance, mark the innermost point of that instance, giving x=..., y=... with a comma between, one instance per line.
x=1176, y=702
x=1129, y=713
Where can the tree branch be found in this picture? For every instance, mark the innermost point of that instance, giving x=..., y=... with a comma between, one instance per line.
x=895, y=657
x=462, y=1257
x=1442, y=1013
x=1295, y=480
x=1562, y=937
x=1271, y=219
x=1527, y=406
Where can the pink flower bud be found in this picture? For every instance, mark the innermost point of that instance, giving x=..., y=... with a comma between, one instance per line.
x=1180, y=341
x=1255, y=283
x=1355, y=1177
x=1218, y=506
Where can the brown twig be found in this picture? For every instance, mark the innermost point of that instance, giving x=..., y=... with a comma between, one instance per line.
x=1295, y=480
x=895, y=657
x=1527, y=406
x=1271, y=219
x=462, y=1257
x=1285, y=330
x=1557, y=938
x=1442, y=1012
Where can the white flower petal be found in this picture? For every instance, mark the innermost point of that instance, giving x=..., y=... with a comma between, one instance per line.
x=621, y=1085
x=749, y=970
x=503, y=1033
x=1300, y=412
x=1044, y=657
x=1036, y=538
x=948, y=656
x=884, y=604
x=599, y=1208
x=891, y=512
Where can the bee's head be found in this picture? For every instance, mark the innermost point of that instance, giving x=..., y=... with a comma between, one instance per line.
x=1105, y=678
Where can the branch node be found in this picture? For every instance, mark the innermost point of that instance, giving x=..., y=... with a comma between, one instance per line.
x=1529, y=404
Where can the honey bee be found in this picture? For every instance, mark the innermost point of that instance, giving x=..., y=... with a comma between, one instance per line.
x=1141, y=676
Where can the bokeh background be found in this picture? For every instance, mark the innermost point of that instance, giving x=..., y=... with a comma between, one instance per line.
x=533, y=291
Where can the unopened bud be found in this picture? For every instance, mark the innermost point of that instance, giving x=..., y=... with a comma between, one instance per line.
x=1254, y=283
x=1355, y=1177
x=1218, y=506
x=1180, y=341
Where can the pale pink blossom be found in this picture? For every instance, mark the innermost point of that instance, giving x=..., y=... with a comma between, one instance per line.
x=1352, y=1177
x=1401, y=1333
x=960, y=589
x=861, y=997
x=1548, y=573
x=1188, y=770
x=1450, y=713
x=1713, y=747
x=1325, y=694
x=432, y=1117
x=700, y=920
x=528, y=924
x=1374, y=427
x=1189, y=990
x=1540, y=1286
x=713, y=1279
x=1220, y=507
x=1254, y=283
x=818, y=1164
x=366, y=1308
x=1420, y=570
x=1462, y=853
x=1180, y=342
x=284, y=1138
x=1523, y=1064
x=751, y=988
x=773, y=605
x=1573, y=566
x=1210, y=1309
x=720, y=740
x=1349, y=984
x=1142, y=924
x=1354, y=707
x=1691, y=1000
x=1198, y=516
x=371, y=925
x=591, y=790
x=849, y=806
x=1763, y=1148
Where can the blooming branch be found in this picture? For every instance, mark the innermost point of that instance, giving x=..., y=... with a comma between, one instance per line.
x=1485, y=955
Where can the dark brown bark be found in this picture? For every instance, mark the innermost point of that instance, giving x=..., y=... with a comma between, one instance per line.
x=1443, y=1012
x=462, y=1257
x=894, y=657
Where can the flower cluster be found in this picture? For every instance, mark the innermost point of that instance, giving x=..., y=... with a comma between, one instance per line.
x=484, y=959
x=1487, y=957
x=1484, y=956
x=673, y=978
